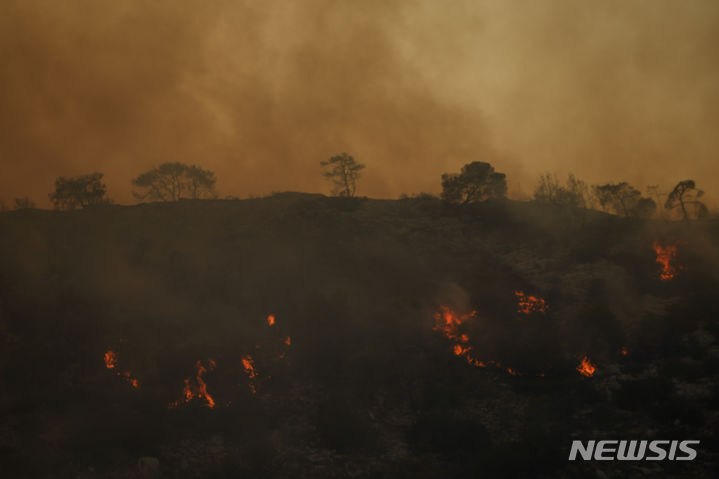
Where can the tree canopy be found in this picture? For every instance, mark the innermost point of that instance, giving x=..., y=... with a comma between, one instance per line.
x=685, y=196
x=175, y=181
x=477, y=181
x=79, y=192
x=344, y=172
x=623, y=199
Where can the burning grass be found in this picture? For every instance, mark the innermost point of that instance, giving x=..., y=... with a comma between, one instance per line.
x=666, y=258
x=111, y=362
x=527, y=304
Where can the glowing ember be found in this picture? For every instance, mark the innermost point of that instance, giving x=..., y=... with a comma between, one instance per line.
x=111, y=359
x=624, y=351
x=288, y=341
x=527, y=304
x=199, y=391
x=271, y=320
x=586, y=368
x=666, y=256
x=249, y=366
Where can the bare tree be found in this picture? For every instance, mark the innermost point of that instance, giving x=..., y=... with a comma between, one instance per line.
x=549, y=190
x=79, y=192
x=344, y=171
x=173, y=182
x=686, y=195
x=476, y=182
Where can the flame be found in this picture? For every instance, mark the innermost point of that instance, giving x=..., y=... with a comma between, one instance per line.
x=271, y=320
x=249, y=366
x=288, y=341
x=449, y=323
x=586, y=368
x=624, y=351
x=666, y=256
x=527, y=304
x=111, y=362
x=110, y=359
x=200, y=391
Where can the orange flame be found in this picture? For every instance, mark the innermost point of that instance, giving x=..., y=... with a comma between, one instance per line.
x=586, y=368
x=200, y=392
x=288, y=341
x=666, y=256
x=527, y=304
x=249, y=366
x=271, y=320
x=449, y=323
x=111, y=359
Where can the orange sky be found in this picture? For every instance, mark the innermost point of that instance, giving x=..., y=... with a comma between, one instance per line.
x=260, y=92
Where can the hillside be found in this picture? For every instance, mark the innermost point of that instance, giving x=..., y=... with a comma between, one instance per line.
x=305, y=336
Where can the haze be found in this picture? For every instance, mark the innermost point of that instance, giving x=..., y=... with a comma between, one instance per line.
x=260, y=92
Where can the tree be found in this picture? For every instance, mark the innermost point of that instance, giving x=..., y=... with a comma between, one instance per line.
x=79, y=192
x=617, y=197
x=344, y=172
x=624, y=199
x=685, y=195
x=24, y=203
x=477, y=181
x=175, y=181
x=549, y=190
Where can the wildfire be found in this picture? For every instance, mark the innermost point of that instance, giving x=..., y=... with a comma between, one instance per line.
x=271, y=320
x=111, y=362
x=199, y=391
x=666, y=256
x=586, y=368
x=449, y=323
x=527, y=304
x=248, y=365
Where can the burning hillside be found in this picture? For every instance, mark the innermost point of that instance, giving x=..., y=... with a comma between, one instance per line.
x=328, y=337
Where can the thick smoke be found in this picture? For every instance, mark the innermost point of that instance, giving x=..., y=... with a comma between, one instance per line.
x=261, y=92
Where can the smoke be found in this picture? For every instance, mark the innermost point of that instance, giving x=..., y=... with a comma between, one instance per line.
x=261, y=92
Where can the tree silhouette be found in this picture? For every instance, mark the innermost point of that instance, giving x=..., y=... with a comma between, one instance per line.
x=685, y=194
x=24, y=203
x=549, y=190
x=79, y=192
x=623, y=199
x=477, y=181
x=344, y=171
x=175, y=181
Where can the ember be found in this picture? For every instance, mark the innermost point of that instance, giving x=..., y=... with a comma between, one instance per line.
x=527, y=304
x=586, y=368
x=110, y=359
x=271, y=320
x=111, y=362
x=249, y=366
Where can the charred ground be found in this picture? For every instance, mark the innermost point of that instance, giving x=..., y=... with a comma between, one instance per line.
x=368, y=386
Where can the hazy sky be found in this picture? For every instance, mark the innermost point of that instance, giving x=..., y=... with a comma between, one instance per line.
x=260, y=92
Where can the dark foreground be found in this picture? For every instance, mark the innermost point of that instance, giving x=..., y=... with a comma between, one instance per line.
x=356, y=377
